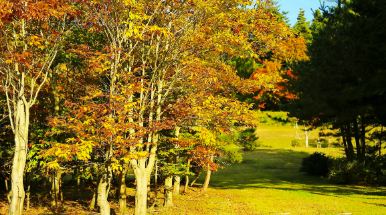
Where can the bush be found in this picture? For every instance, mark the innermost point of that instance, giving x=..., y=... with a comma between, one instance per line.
x=252, y=146
x=316, y=164
x=232, y=154
x=323, y=143
x=343, y=171
x=248, y=140
x=372, y=171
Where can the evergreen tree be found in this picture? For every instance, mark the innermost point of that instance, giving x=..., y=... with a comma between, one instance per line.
x=302, y=26
x=317, y=22
x=341, y=84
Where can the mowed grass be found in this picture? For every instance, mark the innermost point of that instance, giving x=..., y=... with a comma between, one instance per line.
x=280, y=137
x=268, y=181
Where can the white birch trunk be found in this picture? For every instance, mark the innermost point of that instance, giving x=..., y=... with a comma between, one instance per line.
x=103, y=193
x=21, y=124
x=141, y=191
x=168, y=191
x=176, y=185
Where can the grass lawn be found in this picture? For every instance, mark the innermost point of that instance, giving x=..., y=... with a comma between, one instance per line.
x=268, y=181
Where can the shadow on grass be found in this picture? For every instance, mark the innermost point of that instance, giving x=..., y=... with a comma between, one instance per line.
x=279, y=169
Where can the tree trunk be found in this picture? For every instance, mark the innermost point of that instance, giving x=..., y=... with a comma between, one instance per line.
x=56, y=188
x=93, y=200
x=122, y=192
x=103, y=194
x=177, y=178
x=6, y=184
x=168, y=191
x=350, y=147
x=357, y=139
x=19, y=160
x=77, y=178
x=207, y=179
x=155, y=183
x=186, y=183
x=380, y=142
x=176, y=185
x=363, y=137
x=345, y=143
x=28, y=197
x=306, y=135
x=187, y=177
x=141, y=191
x=208, y=174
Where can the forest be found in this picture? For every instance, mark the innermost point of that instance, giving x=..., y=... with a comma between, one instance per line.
x=177, y=106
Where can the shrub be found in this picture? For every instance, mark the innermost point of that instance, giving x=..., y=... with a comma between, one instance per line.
x=343, y=171
x=323, y=143
x=248, y=140
x=316, y=164
x=371, y=171
x=252, y=146
x=232, y=153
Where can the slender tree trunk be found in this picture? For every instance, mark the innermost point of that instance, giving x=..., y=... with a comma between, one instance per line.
x=177, y=178
x=6, y=185
x=176, y=185
x=187, y=177
x=345, y=142
x=357, y=139
x=122, y=192
x=208, y=175
x=306, y=135
x=56, y=192
x=94, y=199
x=186, y=183
x=155, y=183
x=363, y=137
x=28, y=197
x=168, y=191
x=380, y=142
x=207, y=179
x=350, y=146
x=20, y=157
x=77, y=178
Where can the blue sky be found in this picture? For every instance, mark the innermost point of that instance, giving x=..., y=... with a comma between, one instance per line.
x=293, y=6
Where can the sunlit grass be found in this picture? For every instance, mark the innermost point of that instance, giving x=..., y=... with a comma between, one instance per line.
x=280, y=137
x=268, y=181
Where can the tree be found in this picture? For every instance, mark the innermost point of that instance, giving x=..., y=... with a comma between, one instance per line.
x=31, y=34
x=302, y=26
x=340, y=82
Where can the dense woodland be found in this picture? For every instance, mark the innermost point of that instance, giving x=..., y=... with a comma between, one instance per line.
x=168, y=91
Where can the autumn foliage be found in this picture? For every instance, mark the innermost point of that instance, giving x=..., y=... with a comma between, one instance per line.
x=141, y=86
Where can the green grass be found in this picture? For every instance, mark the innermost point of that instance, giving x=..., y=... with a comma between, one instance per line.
x=268, y=181
x=280, y=137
